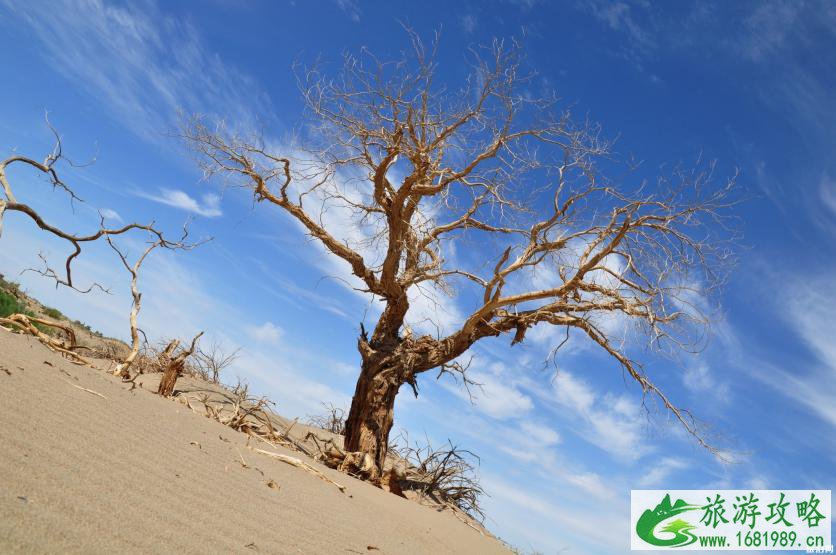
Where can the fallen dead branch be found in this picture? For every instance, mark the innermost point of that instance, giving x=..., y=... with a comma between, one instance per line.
x=293, y=461
x=65, y=347
x=85, y=389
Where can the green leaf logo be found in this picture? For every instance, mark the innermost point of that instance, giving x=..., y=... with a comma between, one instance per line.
x=681, y=529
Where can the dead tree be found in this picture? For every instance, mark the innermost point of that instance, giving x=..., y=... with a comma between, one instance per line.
x=123, y=368
x=174, y=365
x=412, y=166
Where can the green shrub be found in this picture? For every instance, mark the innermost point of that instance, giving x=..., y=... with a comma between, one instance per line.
x=54, y=313
x=9, y=286
x=9, y=305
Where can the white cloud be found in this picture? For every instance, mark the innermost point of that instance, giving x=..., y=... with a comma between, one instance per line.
x=142, y=65
x=620, y=17
x=700, y=379
x=496, y=397
x=757, y=482
x=540, y=433
x=110, y=214
x=289, y=384
x=574, y=393
x=827, y=193
x=432, y=311
x=590, y=483
x=469, y=23
x=767, y=29
x=267, y=332
x=579, y=523
x=351, y=8
x=660, y=471
x=808, y=304
x=209, y=206
x=611, y=422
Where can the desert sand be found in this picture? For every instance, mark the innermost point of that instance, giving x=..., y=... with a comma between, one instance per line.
x=116, y=471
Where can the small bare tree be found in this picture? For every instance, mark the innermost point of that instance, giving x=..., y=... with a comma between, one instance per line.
x=332, y=419
x=213, y=359
x=123, y=368
x=413, y=166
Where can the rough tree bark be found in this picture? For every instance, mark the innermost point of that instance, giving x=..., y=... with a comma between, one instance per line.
x=372, y=412
x=410, y=166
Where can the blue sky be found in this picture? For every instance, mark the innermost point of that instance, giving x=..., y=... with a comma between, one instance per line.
x=750, y=84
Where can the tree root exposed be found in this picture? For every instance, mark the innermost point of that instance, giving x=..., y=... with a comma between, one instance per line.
x=356, y=464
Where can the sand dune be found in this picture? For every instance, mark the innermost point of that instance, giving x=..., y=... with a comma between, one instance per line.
x=133, y=472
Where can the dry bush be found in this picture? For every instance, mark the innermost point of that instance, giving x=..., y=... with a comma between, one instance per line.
x=149, y=360
x=210, y=361
x=446, y=475
x=332, y=420
x=254, y=416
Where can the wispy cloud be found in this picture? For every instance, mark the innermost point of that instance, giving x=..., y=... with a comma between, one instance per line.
x=808, y=306
x=268, y=332
x=699, y=379
x=767, y=29
x=622, y=18
x=583, y=536
x=110, y=214
x=351, y=8
x=469, y=23
x=611, y=422
x=142, y=65
x=495, y=396
x=208, y=206
x=661, y=471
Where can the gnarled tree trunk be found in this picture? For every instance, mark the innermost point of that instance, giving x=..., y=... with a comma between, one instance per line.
x=372, y=413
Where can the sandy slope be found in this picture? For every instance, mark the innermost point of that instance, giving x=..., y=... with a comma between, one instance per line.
x=83, y=474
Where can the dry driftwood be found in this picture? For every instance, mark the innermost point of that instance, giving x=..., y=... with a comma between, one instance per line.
x=212, y=360
x=332, y=420
x=446, y=475
x=26, y=324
